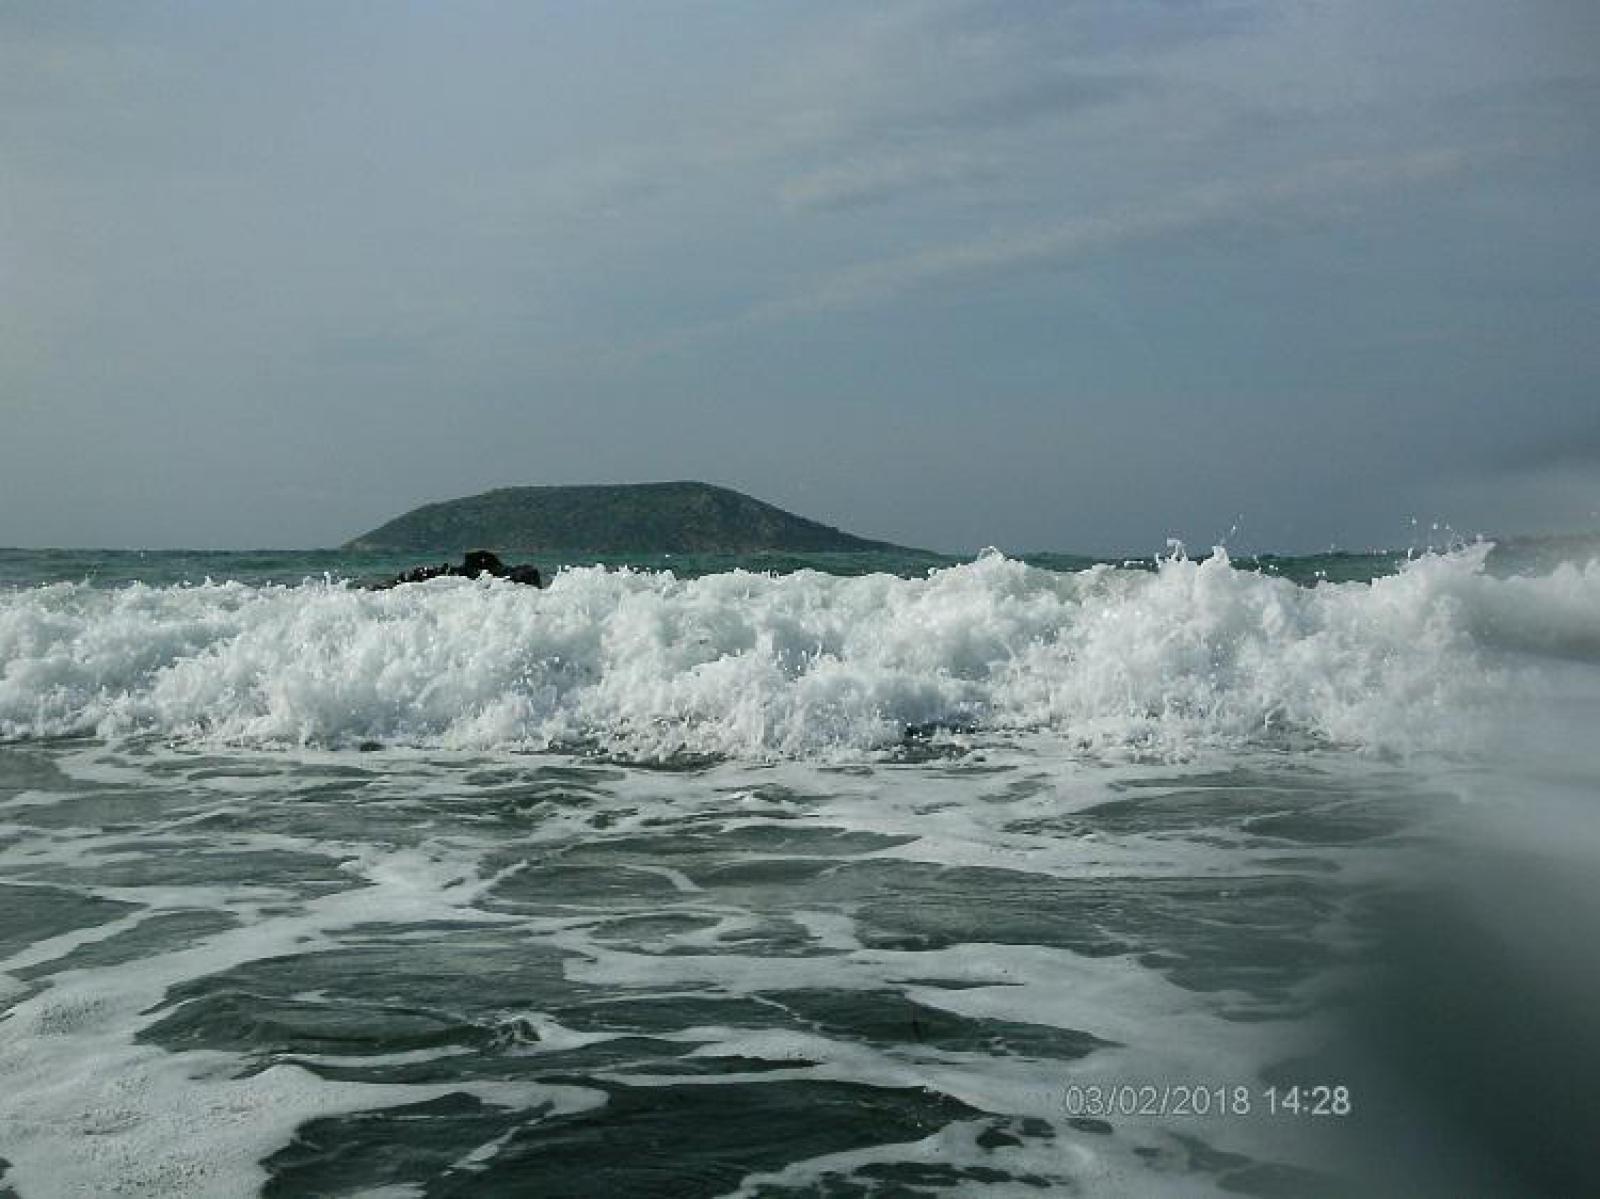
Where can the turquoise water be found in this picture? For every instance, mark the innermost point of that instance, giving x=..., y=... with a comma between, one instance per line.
x=781, y=877
x=167, y=567
x=30, y=567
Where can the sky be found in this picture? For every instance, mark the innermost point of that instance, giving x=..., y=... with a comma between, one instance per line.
x=1077, y=275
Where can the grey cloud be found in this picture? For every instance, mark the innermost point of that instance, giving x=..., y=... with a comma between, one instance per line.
x=252, y=249
x=1313, y=188
x=1006, y=102
x=857, y=181
x=915, y=70
x=1576, y=448
x=920, y=142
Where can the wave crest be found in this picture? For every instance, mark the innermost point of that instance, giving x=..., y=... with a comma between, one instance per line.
x=650, y=666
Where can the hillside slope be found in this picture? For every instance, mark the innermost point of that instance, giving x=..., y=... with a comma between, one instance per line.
x=611, y=518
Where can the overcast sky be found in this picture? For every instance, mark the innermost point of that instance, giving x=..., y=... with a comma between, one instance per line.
x=1044, y=274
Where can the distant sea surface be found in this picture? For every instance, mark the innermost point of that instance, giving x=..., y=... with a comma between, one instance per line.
x=111, y=568
x=781, y=876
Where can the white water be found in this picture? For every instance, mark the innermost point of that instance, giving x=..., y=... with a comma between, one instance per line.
x=89, y=1109
x=645, y=665
x=1177, y=914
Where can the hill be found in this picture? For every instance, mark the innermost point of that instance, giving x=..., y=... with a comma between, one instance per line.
x=611, y=518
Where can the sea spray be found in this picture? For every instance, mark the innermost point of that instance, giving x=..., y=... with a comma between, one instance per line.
x=1198, y=810
x=646, y=665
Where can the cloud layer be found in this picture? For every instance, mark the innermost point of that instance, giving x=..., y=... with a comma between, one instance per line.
x=1075, y=276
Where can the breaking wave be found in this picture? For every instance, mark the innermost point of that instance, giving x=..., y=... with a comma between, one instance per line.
x=649, y=666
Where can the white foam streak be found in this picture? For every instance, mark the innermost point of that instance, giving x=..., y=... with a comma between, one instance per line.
x=647, y=665
x=88, y=1110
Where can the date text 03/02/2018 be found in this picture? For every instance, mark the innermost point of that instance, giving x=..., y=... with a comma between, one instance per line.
x=1189, y=1099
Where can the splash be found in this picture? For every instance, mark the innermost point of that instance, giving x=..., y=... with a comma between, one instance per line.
x=647, y=665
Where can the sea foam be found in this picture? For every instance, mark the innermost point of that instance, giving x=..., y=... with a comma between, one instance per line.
x=647, y=665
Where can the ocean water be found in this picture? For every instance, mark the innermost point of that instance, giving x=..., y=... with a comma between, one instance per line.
x=818, y=877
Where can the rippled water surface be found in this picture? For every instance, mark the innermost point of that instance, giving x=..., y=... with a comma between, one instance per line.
x=330, y=973
x=763, y=885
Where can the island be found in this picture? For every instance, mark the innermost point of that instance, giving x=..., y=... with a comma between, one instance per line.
x=620, y=518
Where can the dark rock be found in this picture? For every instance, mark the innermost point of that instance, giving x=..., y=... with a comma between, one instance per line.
x=475, y=565
x=482, y=562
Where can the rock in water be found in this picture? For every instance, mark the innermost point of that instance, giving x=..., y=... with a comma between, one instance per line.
x=476, y=564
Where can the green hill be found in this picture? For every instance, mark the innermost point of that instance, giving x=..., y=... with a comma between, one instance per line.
x=611, y=519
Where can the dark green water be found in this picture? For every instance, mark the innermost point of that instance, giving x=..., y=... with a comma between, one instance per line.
x=493, y=976
x=110, y=568
x=31, y=567
x=836, y=883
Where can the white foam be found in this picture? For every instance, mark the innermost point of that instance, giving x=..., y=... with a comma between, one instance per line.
x=89, y=1111
x=749, y=665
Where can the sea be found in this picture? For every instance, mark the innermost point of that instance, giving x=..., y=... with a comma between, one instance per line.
x=1184, y=875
